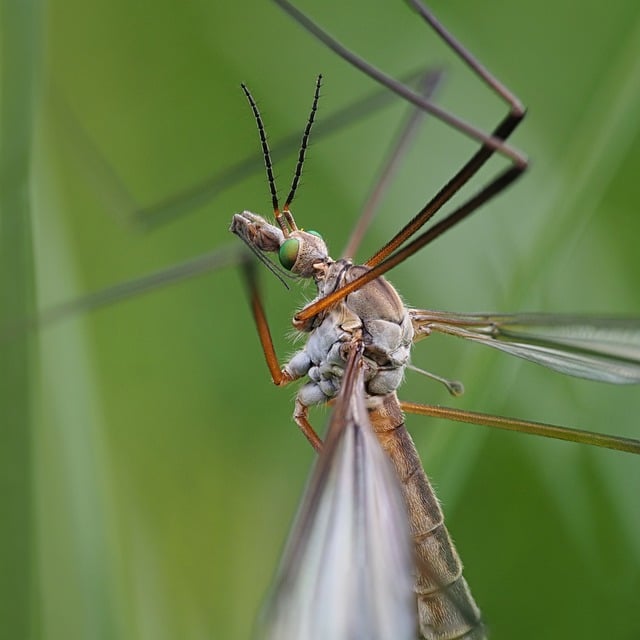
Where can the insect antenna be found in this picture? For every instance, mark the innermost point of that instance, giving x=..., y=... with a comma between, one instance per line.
x=301, y=154
x=282, y=221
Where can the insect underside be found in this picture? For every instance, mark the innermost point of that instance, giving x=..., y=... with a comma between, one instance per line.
x=365, y=532
x=374, y=319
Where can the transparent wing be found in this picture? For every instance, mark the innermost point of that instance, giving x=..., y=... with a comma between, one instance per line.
x=600, y=348
x=347, y=568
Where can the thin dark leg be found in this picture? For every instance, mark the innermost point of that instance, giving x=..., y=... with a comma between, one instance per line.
x=390, y=254
x=404, y=138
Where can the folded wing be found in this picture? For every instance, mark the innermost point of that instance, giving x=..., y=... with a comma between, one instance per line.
x=347, y=569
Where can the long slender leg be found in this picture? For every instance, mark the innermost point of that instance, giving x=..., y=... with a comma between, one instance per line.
x=300, y=416
x=495, y=143
x=427, y=87
x=629, y=445
x=390, y=254
x=279, y=376
x=219, y=258
x=489, y=191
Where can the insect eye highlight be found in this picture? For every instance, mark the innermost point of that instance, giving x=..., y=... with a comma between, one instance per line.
x=288, y=253
x=315, y=233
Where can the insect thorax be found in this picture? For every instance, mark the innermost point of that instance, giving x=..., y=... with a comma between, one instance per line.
x=374, y=314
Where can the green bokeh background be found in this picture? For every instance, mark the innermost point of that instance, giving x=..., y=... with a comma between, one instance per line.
x=159, y=466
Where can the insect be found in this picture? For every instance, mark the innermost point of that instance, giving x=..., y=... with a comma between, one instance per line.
x=523, y=488
x=356, y=310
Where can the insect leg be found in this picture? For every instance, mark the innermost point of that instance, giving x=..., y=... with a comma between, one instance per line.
x=630, y=445
x=279, y=375
x=428, y=85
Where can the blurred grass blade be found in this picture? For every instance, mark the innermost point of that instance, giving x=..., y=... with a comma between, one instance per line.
x=18, y=35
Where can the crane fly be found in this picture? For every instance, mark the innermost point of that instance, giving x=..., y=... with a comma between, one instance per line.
x=346, y=567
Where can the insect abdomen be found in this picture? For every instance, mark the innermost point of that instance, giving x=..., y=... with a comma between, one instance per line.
x=446, y=608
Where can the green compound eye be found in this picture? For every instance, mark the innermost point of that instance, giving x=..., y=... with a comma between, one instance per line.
x=314, y=233
x=288, y=253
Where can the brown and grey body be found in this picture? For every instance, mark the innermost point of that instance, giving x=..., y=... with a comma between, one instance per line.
x=376, y=315
x=446, y=608
x=375, y=318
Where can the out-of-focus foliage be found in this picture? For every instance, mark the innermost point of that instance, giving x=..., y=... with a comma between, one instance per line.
x=166, y=466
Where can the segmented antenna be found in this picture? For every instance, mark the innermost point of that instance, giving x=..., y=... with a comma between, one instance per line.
x=267, y=160
x=303, y=149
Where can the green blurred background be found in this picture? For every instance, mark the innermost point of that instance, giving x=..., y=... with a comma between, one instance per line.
x=152, y=468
